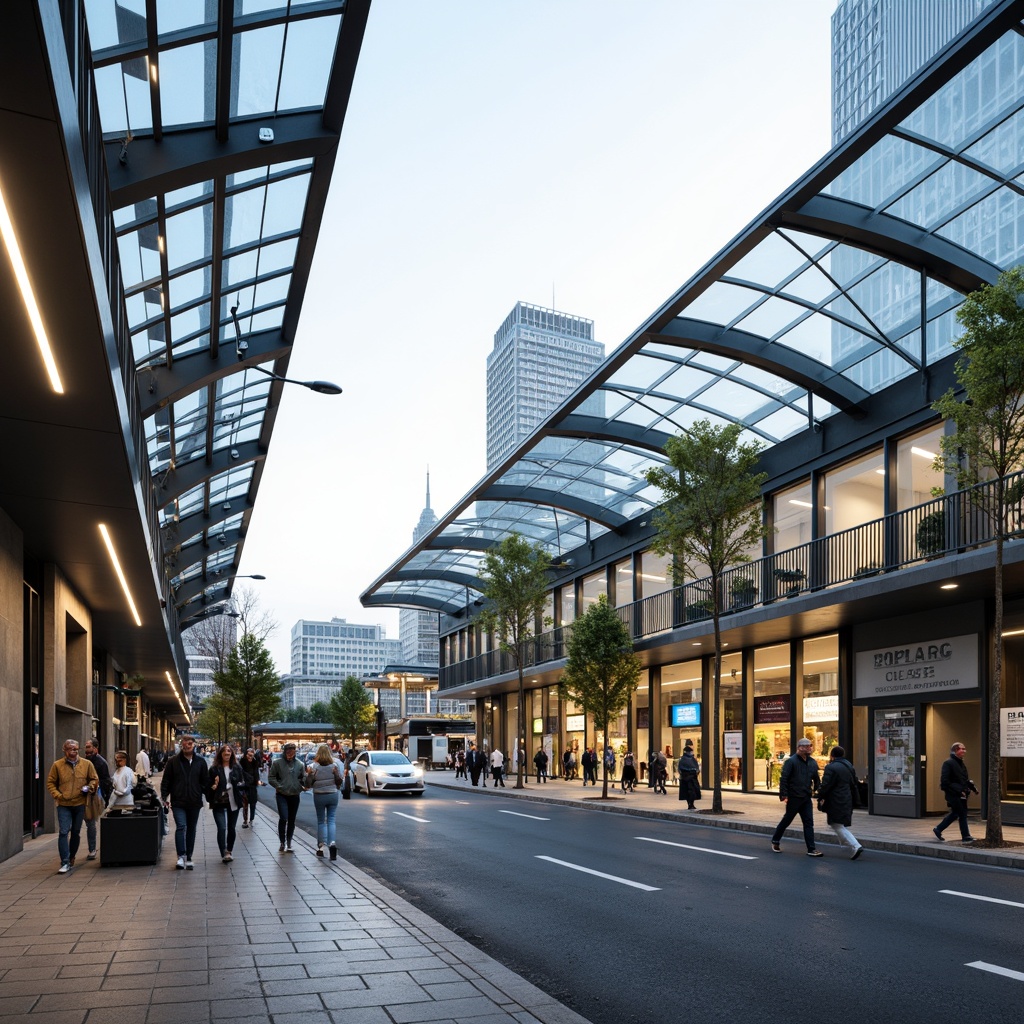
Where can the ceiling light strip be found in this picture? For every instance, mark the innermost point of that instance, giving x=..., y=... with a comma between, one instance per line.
x=28, y=295
x=120, y=573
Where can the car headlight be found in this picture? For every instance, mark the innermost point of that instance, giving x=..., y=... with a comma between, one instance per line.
x=378, y=773
x=417, y=772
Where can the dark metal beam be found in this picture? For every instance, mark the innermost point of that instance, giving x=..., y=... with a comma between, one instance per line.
x=453, y=541
x=176, y=534
x=595, y=428
x=410, y=601
x=182, y=479
x=553, y=499
x=462, y=579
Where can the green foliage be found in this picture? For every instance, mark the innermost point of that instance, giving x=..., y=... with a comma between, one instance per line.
x=762, y=751
x=514, y=582
x=319, y=711
x=988, y=443
x=249, y=686
x=601, y=670
x=298, y=715
x=351, y=710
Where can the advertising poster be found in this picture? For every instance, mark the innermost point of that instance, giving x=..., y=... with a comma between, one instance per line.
x=894, y=752
x=771, y=709
x=821, y=709
x=1011, y=733
x=733, y=745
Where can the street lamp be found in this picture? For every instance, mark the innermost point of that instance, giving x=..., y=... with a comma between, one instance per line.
x=321, y=387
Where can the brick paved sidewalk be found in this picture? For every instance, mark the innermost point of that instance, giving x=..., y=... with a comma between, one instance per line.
x=287, y=939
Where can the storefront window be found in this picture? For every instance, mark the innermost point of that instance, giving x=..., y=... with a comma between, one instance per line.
x=770, y=737
x=821, y=694
x=680, y=718
x=622, y=582
x=567, y=613
x=553, y=731
x=547, y=622
x=731, y=721
x=594, y=586
x=575, y=735
x=642, y=724
x=791, y=516
x=915, y=475
x=655, y=574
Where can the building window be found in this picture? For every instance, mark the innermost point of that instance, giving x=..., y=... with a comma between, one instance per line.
x=655, y=574
x=915, y=475
x=820, y=711
x=855, y=493
x=594, y=586
x=773, y=711
x=791, y=516
x=622, y=582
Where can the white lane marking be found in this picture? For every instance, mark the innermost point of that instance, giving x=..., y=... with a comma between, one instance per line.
x=600, y=874
x=462, y=801
x=518, y=815
x=984, y=899
x=995, y=969
x=701, y=849
x=412, y=817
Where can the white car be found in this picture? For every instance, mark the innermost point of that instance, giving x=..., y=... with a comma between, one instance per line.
x=386, y=771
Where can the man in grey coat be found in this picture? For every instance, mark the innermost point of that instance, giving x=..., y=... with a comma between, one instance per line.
x=797, y=787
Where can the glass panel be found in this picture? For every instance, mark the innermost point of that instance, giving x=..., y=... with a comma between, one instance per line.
x=993, y=228
x=791, y=516
x=680, y=684
x=655, y=575
x=772, y=317
x=640, y=372
x=820, y=708
x=255, y=63
x=730, y=696
x=184, y=74
x=622, y=582
x=770, y=739
x=883, y=172
x=931, y=203
x=1003, y=147
x=721, y=303
x=189, y=236
x=308, y=56
x=915, y=476
x=769, y=262
x=172, y=15
x=567, y=604
x=593, y=586
x=811, y=286
x=855, y=493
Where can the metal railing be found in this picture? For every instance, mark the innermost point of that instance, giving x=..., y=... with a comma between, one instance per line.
x=935, y=529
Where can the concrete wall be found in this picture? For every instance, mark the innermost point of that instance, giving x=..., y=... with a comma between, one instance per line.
x=12, y=754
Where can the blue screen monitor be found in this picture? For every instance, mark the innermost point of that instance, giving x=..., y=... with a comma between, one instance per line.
x=683, y=715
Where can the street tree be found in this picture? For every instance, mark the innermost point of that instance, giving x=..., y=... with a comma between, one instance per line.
x=601, y=670
x=299, y=715
x=711, y=516
x=249, y=684
x=986, y=446
x=514, y=582
x=319, y=711
x=351, y=710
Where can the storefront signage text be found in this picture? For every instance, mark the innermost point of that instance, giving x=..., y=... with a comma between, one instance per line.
x=931, y=666
x=771, y=709
x=1011, y=733
x=822, y=709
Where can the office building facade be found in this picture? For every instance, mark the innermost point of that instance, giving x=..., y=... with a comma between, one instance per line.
x=332, y=650
x=417, y=629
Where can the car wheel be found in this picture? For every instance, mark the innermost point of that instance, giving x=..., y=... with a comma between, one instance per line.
x=369, y=787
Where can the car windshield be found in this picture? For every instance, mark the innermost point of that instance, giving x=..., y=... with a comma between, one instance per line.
x=388, y=757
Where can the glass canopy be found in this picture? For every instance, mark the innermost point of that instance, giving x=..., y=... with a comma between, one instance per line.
x=847, y=284
x=223, y=118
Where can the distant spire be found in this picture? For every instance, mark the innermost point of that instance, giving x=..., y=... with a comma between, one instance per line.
x=427, y=518
x=428, y=487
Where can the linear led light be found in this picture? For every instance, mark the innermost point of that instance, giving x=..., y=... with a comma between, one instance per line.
x=924, y=453
x=120, y=573
x=28, y=296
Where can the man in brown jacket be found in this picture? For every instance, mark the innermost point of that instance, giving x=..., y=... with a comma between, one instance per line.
x=72, y=780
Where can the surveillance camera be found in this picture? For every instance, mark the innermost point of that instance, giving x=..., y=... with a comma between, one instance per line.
x=222, y=538
x=241, y=347
x=234, y=453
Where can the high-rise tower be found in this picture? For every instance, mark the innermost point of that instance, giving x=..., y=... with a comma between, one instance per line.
x=417, y=629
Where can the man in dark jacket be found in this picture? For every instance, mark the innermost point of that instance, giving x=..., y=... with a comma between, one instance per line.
x=185, y=781
x=797, y=787
x=837, y=797
x=475, y=762
x=957, y=786
x=540, y=759
x=99, y=762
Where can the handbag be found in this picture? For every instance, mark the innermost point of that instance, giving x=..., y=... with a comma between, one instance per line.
x=94, y=807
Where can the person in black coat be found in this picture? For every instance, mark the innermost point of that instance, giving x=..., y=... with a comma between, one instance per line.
x=475, y=762
x=226, y=795
x=183, y=786
x=250, y=765
x=689, y=778
x=837, y=797
x=797, y=786
x=957, y=785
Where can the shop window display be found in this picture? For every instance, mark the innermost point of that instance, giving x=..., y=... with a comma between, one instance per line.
x=679, y=720
x=771, y=740
x=820, y=711
x=730, y=722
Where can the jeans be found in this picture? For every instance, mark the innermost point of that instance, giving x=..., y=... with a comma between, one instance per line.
x=805, y=809
x=226, y=820
x=185, y=821
x=287, y=809
x=846, y=836
x=69, y=824
x=957, y=813
x=90, y=834
x=251, y=800
x=326, y=806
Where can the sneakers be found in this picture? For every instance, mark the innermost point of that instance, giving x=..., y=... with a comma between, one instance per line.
x=333, y=852
x=63, y=869
x=815, y=853
x=188, y=865
x=92, y=855
x=967, y=839
x=320, y=849
x=776, y=848
x=245, y=824
x=180, y=864
x=288, y=847
x=227, y=858
x=280, y=849
x=938, y=834
x=856, y=853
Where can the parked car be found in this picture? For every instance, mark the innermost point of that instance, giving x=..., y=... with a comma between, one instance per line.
x=386, y=771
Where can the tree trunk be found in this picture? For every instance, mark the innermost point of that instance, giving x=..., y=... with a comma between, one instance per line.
x=520, y=766
x=993, y=795
x=716, y=682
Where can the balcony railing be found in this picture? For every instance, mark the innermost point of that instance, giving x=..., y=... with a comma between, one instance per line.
x=936, y=529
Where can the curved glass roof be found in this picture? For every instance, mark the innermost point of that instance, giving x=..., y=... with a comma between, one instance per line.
x=211, y=213
x=848, y=283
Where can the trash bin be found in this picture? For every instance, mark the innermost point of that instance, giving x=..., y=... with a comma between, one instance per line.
x=130, y=838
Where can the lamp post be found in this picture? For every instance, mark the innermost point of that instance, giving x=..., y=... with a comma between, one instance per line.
x=321, y=387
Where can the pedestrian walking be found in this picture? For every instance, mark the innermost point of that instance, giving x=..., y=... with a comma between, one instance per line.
x=497, y=765
x=475, y=762
x=122, y=782
x=689, y=778
x=250, y=765
x=540, y=760
x=660, y=772
x=628, y=772
x=609, y=762
x=460, y=765
x=183, y=786
x=71, y=782
x=92, y=752
x=837, y=797
x=797, y=786
x=955, y=782
x=325, y=778
x=227, y=789
x=286, y=775
x=589, y=764
x=142, y=763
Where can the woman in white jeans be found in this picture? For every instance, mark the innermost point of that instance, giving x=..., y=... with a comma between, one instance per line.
x=837, y=797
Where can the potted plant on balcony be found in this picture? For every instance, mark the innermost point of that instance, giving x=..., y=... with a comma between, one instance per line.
x=931, y=534
x=744, y=593
x=697, y=610
x=791, y=579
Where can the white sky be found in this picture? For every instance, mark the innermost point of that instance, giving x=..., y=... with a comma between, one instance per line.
x=494, y=152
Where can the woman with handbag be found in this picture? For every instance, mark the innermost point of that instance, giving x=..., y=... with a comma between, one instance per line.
x=227, y=784
x=122, y=780
x=324, y=778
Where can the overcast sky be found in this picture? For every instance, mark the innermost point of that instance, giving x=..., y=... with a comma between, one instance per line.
x=586, y=154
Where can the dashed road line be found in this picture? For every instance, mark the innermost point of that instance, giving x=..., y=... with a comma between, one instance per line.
x=996, y=969
x=412, y=817
x=700, y=849
x=518, y=815
x=600, y=874
x=984, y=899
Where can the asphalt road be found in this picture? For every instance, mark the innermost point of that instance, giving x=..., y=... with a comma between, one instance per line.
x=627, y=919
